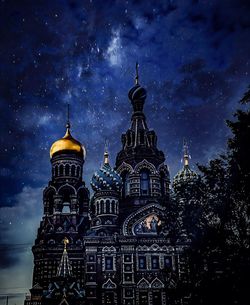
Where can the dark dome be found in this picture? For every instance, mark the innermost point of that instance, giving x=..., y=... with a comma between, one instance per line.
x=137, y=93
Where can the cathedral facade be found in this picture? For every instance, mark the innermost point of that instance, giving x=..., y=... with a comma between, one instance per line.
x=114, y=247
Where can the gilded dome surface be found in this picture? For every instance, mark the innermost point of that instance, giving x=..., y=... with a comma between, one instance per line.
x=69, y=144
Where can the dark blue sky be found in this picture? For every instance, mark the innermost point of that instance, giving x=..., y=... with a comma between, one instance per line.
x=194, y=62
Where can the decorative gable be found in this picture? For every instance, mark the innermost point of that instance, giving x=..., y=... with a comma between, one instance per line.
x=109, y=284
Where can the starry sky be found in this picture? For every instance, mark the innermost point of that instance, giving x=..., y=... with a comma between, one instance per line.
x=193, y=60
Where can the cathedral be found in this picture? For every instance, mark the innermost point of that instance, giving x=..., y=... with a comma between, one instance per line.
x=115, y=246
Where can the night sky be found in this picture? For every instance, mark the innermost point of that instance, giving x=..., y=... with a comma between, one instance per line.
x=194, y=61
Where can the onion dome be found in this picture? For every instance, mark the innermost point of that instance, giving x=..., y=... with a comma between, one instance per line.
x=106, y=178
x=67, y=144
x=137, y=94
x=185, y=175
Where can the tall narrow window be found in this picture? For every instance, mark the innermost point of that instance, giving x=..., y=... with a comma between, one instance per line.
x=73, y=170
x=142, y=262
x=145, y=182
x=156, y=297
x=109, y=263
x=78, y=171
x=143, y=297
x=109, y=298
x=61, y=170
x=155, y=262
x=126, y=186
x=67, y=170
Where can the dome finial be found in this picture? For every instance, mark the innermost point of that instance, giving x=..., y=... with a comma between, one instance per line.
x=68, y=121
x=136, y=73
x=106, y=154
x=67, y=143
x=185, y=153
x=65, y=241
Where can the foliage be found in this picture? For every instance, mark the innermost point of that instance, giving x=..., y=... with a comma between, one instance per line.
x=215, y=213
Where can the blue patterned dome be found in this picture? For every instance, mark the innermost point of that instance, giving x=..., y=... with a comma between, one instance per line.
x=186, y=175
x=106, y=178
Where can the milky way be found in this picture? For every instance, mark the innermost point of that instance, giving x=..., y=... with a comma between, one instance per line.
x=193, y=60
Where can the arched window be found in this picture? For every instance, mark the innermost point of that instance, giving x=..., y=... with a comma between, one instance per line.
x=145, y=182
x=67, y=170
x=56, y=171
x=126, y=185
x=50, y=202
x=78, y=171
x=61, y=170
x=101, y=207
x=108, y=207
x=73, y=170
x=113, y=209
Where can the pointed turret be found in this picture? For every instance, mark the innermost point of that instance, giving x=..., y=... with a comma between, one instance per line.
x=106, y=184
x=64, y=268
x=139, y=141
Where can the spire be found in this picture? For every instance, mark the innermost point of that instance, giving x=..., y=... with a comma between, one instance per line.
x=64, y=268
x=67, y=134
x=136, y=74
x=185, y=153
x=106, y=154
x=68, y=122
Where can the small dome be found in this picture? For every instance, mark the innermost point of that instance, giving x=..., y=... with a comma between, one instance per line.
x=67, y=144
x=185, y=175
x=106, y=178
x=137, y=93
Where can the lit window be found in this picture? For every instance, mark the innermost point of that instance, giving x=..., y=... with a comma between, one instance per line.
x=142, y=262
x=145, y=185
x=109, y=263
x=155, y=262
x=126, y=185
x=167, y=262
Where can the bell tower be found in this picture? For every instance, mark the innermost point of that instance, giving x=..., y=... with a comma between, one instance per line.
x=65, y=201
x=140, y=163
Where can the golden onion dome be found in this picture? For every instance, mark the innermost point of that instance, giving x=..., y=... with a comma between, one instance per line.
x=69, y=144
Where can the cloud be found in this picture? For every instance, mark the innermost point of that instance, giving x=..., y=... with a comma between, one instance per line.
x=18, y=227
x=114, y=50
x=18, y=224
